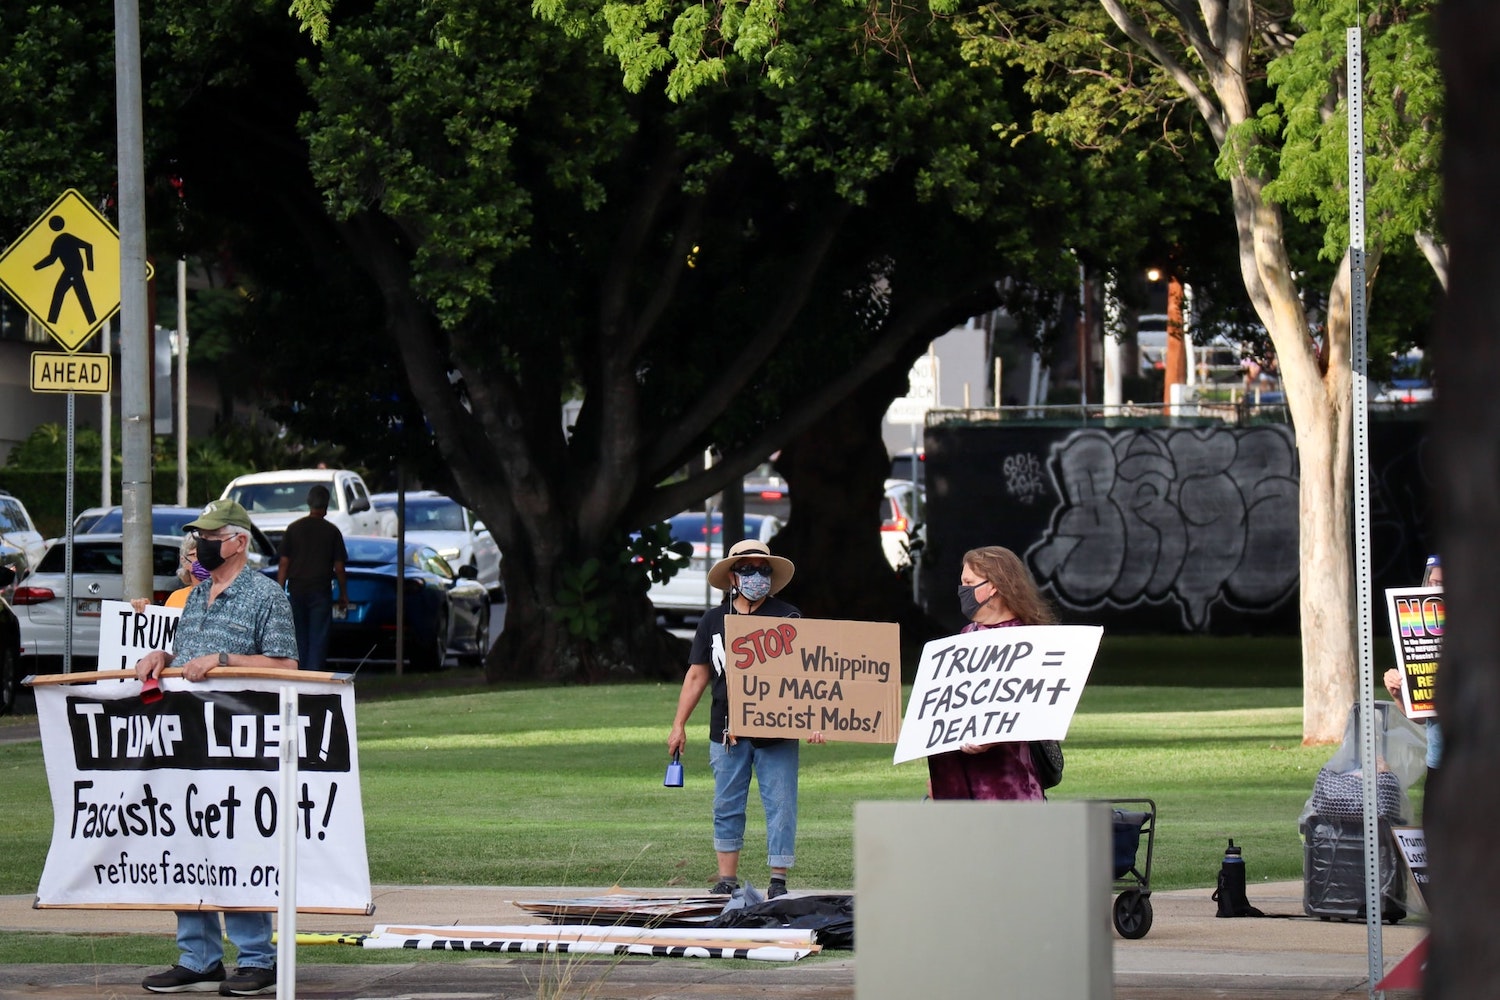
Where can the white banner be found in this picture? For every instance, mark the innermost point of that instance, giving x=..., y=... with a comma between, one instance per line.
x=175, y=804
x=126, y=635
x=998, y=685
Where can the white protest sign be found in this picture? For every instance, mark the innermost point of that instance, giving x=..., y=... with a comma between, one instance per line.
x=1413, y=844
x=126, y=635
x=997, y=686
x=174, y=805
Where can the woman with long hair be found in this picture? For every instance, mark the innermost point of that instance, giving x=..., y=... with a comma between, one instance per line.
x=996, y=591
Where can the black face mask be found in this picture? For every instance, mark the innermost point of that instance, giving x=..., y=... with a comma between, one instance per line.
x=209, y=555
x=967, y=602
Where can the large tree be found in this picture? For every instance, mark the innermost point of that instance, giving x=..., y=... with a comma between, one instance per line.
x=449, y=219
x=718, y=273
x=724, y=272
x=1100, y=65
x=1099, y=69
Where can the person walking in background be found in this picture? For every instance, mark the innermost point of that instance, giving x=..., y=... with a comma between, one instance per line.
x=312, y=554
x=996, y=590
x=238, y=619
x=753, y=577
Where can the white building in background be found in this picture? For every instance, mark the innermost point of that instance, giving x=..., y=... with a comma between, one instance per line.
x=958, y=365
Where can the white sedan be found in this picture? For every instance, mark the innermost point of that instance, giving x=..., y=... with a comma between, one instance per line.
x=40, y=600
x=442, y=523
x=688, y=592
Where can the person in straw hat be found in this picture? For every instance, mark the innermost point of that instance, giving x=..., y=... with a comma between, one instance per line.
x=752, y=576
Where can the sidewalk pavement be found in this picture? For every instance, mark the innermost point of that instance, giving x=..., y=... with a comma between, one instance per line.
x=1188, y=955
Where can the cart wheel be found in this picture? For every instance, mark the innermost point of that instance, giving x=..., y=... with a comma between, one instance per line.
x=1132, y=914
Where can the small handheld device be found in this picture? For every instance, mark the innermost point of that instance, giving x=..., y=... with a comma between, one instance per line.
x=674, y=772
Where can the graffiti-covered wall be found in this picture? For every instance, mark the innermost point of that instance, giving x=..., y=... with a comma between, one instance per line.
x=1155, y=529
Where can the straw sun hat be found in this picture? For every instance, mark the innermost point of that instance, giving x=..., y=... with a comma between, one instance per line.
x=722, y=574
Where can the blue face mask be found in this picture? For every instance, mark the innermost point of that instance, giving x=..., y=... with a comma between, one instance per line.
x=755, y=586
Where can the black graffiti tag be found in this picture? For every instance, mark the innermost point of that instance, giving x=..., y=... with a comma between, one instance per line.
x=1194, y=516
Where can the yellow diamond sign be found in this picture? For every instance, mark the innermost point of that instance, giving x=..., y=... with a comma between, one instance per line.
x=65, y=270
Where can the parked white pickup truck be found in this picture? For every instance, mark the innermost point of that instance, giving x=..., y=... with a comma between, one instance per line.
x=276, y=499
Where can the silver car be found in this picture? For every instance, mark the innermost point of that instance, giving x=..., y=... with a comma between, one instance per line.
x=17, y=529
x=459, y=537
x=688, y=592
x=40, y=599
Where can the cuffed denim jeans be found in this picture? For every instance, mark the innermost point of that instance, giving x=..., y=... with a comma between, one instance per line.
x=775, y=769
x=202, y=942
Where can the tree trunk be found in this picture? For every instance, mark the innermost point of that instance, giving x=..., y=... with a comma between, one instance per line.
x=537, y=643
x=1317, y=390
x=842, y=571
x=1462, y=812
x=1436, y=253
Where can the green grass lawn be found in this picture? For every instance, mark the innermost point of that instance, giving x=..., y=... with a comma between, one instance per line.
x=544, y=786
x=563, y=785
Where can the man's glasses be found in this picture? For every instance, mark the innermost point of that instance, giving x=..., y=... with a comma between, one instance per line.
x=764, y=569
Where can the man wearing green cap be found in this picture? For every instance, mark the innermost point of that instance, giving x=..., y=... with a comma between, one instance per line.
x=236, y=618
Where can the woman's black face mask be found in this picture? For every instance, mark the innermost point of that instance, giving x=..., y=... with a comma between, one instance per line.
x=967, y=602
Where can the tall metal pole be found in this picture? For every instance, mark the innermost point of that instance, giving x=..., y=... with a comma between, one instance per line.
x=400, y=568
x=1368, y=751
x=106, y=435
x=135, y=346
x=68, y=551
x=182, y=383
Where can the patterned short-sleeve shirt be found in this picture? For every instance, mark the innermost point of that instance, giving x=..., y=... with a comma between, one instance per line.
x=252, y=616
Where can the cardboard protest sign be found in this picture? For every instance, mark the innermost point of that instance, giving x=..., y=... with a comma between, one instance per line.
x=126, y=635
x=174, y=804
x=1416, y=615
x=798, y=676
x=997, y=686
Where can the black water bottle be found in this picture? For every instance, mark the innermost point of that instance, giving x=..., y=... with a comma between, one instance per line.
x=1231, y=896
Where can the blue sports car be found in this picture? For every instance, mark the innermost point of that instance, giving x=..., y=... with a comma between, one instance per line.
x=445, y=610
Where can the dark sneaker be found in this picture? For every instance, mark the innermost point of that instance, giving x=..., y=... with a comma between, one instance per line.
x=249, y=981
x=724, y=887
x=181, y=980
x=776, y=888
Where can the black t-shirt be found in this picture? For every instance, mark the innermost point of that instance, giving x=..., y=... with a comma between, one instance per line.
x=708, y=647
x=311, y=546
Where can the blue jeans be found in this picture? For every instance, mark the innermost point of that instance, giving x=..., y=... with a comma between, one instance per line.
x=312, y=618
x=775, y=768
x=202, y=942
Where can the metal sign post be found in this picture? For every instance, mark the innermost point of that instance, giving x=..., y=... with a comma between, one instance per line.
x=70, y=607
x=1361, y=414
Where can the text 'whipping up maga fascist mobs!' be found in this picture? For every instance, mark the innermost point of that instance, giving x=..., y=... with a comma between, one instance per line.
x=997, y=685
x=793, y=677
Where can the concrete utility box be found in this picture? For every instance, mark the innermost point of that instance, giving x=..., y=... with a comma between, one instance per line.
x=983, y=899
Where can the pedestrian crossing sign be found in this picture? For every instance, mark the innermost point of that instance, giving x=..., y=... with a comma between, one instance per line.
x=65, y=270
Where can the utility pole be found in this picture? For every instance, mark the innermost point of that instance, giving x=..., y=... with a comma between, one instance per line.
x=1176, y=357
x=182, y=383
x=135, y=346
